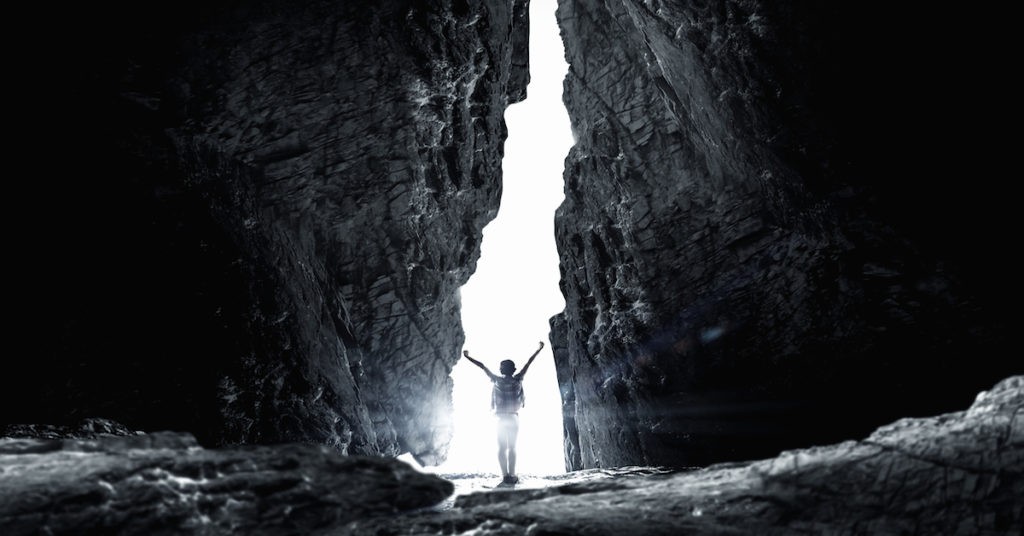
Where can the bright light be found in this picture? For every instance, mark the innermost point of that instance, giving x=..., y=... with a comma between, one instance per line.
x=508, y=301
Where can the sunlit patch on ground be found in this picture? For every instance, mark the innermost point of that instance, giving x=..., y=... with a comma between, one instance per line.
x=469, y=483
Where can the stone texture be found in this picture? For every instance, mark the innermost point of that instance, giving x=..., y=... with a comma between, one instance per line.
x=261, y=215
x=757, y=247
x=85, y=429
x=164, y=483
x=958, y=473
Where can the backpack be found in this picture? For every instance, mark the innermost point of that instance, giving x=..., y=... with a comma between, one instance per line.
x=507, y=395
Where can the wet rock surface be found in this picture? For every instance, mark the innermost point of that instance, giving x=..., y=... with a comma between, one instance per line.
x=756, y=244
x=261, y=216
x=164, y=483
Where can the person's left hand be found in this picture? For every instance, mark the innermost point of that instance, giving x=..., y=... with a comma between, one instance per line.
x=542, y=344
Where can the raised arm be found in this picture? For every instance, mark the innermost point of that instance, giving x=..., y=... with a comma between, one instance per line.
x=527, y=365
x=479, y=364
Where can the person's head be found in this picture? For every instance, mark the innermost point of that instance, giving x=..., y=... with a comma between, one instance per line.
x=507, y=367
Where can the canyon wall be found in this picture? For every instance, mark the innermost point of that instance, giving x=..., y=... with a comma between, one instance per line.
x=784, y=224
x=770, y=236
x=250, y=221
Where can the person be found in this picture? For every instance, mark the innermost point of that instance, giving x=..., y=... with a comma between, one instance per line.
x=506, y=399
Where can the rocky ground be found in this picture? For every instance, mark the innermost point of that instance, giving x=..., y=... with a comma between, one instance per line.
x=164, y=483
x=959, y=473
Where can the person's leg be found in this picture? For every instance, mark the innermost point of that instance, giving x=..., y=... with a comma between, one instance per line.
x=503, y=446
x=513, y=435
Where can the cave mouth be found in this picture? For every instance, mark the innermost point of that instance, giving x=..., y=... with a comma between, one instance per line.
x=514, y=291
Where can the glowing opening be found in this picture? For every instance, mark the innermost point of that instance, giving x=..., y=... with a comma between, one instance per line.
x=508, y=301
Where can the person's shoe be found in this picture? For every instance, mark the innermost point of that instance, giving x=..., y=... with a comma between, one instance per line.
x=513, y=479
x=507, y=479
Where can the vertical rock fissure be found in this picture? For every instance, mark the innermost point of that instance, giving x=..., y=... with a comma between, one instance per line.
x=508, y=300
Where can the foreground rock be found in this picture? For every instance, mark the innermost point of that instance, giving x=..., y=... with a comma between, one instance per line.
x=960, y=473
x=163, y=483
x=757, y=242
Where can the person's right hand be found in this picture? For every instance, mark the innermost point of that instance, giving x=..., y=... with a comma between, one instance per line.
x=465, y=353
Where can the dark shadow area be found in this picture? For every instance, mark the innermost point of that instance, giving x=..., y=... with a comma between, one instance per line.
x=126, y=293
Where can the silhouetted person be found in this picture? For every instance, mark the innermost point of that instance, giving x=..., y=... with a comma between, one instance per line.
x=506, y=399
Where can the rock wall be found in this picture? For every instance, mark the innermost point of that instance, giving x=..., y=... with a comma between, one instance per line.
x=757, y=247
x=252, y=219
